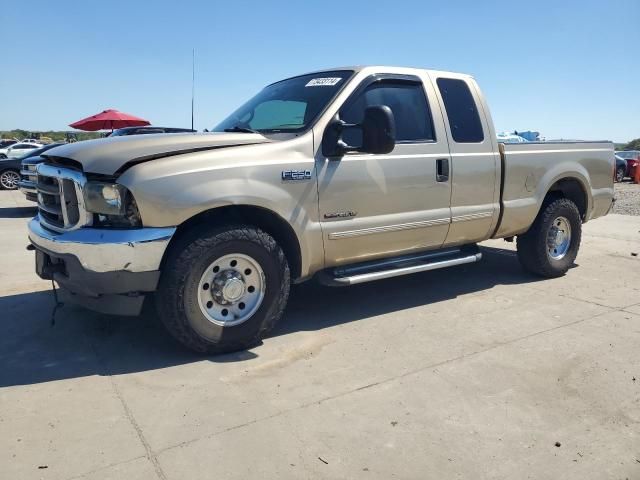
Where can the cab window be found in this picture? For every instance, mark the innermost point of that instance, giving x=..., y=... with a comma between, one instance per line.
x=464, y=120
x=406, y=100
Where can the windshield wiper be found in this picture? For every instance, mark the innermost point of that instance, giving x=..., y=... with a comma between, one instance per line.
x=240, y=129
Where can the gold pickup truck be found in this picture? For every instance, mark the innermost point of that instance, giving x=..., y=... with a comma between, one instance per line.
x=347, y=175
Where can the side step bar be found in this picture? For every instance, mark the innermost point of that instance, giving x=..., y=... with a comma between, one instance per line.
x=394, y=267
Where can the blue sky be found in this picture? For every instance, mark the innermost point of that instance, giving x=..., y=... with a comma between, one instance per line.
x=569, y=69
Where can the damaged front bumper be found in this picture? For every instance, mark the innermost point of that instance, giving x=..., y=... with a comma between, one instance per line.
x=108, y=271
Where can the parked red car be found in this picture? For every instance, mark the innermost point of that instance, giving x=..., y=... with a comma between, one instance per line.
x=632, y=157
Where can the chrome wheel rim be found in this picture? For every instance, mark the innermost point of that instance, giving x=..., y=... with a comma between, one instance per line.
x=9, y=180
x=559, y=238
x=231, y=290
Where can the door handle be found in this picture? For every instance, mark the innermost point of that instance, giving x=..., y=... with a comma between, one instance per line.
x=442, y=170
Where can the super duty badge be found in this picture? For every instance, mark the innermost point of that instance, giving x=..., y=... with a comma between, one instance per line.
x=288, y=175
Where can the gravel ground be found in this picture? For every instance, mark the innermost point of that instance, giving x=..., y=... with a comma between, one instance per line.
x=627, y=199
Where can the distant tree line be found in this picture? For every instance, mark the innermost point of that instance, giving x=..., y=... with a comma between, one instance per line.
x=632, y=145
x=55, y=136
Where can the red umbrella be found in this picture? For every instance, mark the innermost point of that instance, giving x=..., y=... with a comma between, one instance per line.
x=108, y=120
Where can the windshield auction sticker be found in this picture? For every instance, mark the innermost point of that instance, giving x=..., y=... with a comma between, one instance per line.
x=323, y=82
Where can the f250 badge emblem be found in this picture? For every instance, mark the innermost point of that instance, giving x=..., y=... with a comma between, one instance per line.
x=288, y=175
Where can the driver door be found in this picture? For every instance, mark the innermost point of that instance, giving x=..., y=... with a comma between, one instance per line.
x=372, y=205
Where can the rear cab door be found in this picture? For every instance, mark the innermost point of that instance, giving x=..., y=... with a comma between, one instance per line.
x=475, y=161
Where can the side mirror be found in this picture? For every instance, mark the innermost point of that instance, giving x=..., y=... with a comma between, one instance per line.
x=378, y=130
x=378, y=133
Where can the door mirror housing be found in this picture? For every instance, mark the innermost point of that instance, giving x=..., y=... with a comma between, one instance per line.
x=378, y=133
x=378, y=130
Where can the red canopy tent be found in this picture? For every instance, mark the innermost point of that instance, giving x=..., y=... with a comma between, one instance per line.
x=108, y=120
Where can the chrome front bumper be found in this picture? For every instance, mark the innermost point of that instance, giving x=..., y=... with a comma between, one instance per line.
x=103, y=250
x=109, y=271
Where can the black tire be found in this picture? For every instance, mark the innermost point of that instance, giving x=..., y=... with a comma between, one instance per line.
x=177, y=295
x=620, y=174
x=533, y=247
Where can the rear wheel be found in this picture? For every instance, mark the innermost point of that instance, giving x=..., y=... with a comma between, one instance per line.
x=551, y=245
x=9, y=179
x=620, y=174
x=223, y=289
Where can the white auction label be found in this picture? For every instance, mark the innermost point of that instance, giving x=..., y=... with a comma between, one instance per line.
x=323, y=82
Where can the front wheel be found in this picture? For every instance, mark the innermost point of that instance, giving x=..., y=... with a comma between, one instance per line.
x=223, y=289
x=551, y=245
x=9, y=179
x=620, y=174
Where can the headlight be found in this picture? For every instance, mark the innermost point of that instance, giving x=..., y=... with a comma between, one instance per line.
x=105, y=198
x=113, y=205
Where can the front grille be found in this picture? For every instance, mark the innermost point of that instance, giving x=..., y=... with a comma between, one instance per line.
x=60, y=201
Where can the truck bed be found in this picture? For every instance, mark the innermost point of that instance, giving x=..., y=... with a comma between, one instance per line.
x=530, y=170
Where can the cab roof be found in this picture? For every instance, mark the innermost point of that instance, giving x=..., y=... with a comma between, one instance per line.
x=388, y=68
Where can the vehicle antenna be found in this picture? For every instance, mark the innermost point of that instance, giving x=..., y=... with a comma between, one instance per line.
x=193, y=81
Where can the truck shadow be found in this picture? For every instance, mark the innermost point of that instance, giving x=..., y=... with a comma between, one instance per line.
x=84, y=343
x=18, y=212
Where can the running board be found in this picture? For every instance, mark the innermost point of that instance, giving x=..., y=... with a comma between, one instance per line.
x=394, y=267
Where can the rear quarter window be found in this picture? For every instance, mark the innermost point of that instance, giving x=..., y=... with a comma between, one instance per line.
x=464, y=120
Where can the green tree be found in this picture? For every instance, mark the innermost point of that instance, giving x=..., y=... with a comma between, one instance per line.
x=632, y=145
x=56, y=136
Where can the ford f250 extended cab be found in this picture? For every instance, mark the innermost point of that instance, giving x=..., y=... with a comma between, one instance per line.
x=346, y=175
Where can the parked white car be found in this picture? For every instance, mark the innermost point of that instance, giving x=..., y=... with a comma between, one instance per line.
x=18, y=150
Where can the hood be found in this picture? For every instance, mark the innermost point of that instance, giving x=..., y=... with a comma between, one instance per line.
x=112, y=156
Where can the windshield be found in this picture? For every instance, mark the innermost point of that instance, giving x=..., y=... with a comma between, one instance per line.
x=287, y=106
x=628, y=155
x=120, y=132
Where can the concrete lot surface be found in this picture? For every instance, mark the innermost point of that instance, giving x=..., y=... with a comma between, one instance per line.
x=473, y=372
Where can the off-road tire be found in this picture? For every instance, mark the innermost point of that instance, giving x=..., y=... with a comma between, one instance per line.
x=176, y=297
x=532, y=246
